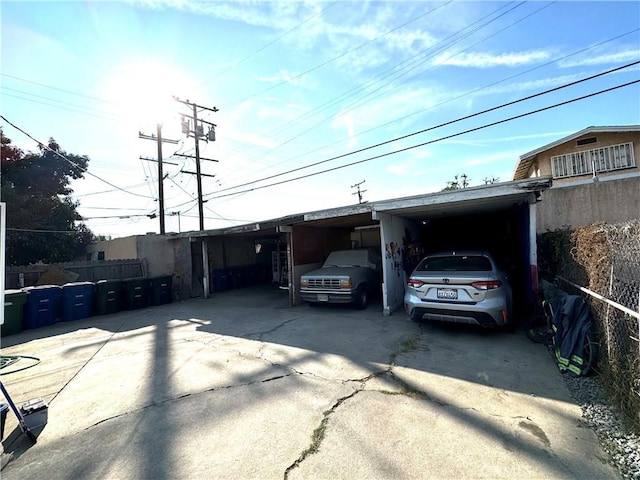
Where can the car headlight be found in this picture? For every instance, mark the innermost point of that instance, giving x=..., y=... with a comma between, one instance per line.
x=304, y=282
x=345, y=282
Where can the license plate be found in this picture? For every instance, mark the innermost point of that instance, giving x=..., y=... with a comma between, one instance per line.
x=323, y=298
x=448, y=293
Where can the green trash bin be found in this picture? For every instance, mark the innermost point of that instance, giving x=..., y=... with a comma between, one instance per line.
x=14, y=301
x=160, y=290
x=136, y=292
x=108, y=296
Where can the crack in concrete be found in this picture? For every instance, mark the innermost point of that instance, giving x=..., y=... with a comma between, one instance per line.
x=259, y=335
x=319, y=434
x=187, y=395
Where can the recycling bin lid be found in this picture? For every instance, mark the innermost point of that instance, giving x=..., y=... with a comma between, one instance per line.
x=40, y=287
x=13, y=291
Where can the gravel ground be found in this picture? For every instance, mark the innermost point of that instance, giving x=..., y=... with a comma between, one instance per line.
x=622, y=445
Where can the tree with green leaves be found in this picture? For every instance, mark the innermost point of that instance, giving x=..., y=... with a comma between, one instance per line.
x=458, y=182
x=43, y=224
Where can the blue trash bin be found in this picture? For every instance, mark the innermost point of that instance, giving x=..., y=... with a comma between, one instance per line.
x=77, y=300
x=42, y=306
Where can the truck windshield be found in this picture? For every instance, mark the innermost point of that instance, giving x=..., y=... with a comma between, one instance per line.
x=347, y=258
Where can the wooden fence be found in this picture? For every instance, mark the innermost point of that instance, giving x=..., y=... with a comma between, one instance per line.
x=60, y=273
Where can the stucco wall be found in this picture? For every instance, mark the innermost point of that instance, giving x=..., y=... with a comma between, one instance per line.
x=542, y=164
x=392, y=231
x=157, y=253
x=116, y=249
x=182, y=268
x=610, y=201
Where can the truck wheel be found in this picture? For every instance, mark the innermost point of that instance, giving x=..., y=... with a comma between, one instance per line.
x=361, y=299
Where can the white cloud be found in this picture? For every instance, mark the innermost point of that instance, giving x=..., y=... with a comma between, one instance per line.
x=284, y=76
x=602, y=59
x=489, y=60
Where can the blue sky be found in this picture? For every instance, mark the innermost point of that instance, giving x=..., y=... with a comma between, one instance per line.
x=298, y=83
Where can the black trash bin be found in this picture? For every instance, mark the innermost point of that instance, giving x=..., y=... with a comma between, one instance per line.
x=14, y=301
x=160, y=289
x=136, y=293
x=108, y=296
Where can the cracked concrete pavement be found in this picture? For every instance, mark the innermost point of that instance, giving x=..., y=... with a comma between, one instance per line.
x=243, y=386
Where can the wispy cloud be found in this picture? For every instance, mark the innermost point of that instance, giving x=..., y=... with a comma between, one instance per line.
x=285, y=76
x=602, y=59
x=489, y=60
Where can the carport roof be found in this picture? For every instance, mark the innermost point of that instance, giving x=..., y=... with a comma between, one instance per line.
x=474, y=199
x=431, y=205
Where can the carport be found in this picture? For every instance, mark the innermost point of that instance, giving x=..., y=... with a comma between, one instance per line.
x=497, y=217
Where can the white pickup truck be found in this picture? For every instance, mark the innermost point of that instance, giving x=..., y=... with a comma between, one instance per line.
x=347, y=276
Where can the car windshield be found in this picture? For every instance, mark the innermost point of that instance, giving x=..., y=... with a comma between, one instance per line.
x=464, y=263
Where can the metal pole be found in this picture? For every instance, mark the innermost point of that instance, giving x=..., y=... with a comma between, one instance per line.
x=205, y=264
x=160, y=180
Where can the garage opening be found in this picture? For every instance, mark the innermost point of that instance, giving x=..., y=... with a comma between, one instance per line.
x=313, y=241
x=504, y=233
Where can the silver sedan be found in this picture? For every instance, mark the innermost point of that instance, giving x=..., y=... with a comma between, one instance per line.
x=461, y=287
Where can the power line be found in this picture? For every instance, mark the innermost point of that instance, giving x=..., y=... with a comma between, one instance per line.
x=300, y=75
x=451, y=122
x=442, y=45
x=433, y=141
x=264, y=47
x=59, y=89
x=84, y=170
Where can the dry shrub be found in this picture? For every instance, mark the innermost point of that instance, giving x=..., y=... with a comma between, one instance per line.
x=605, y=258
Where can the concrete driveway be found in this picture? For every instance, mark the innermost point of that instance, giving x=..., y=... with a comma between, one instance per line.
x=242, y=386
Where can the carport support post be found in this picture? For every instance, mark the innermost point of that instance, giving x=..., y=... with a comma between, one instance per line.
x=205, y=268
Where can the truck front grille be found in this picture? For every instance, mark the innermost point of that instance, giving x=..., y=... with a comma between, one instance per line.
x=324, y=283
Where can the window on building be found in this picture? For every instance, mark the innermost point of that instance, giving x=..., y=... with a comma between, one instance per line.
x=603, y=159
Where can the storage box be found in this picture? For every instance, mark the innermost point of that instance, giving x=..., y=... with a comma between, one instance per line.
x=35, y=413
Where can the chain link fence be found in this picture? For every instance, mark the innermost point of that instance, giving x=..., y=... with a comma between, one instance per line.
x=604, y=259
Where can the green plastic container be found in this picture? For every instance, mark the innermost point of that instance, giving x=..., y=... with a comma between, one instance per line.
x=14, y=301
x=136, y=292
x=108, y=296
x=160, y=290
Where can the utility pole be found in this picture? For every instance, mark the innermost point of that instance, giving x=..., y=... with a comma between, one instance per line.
x=198, y=133
x=160, y=140
x=160, y=179
x=177, y=213
x=359, y=192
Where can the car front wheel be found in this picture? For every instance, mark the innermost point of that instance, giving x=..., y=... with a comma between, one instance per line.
x=361, y=299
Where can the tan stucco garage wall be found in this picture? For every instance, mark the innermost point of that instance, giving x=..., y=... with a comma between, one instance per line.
x=603, y=201
x=117, y=249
